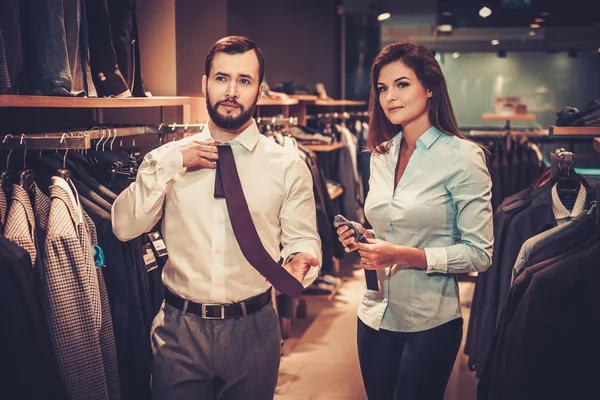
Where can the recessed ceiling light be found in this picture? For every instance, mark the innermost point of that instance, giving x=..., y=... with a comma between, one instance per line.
x=545, y=14
x=384, y=16
x=495, y=42
x=485, y=12
x=531, y=33
x=447, y=13
x=455, y=55
x=444, y=28
x=539, y=20
x=534, y=26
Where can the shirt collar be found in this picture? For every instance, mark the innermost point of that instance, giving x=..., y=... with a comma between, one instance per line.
x=248, y=138
x=561, y=214
x=428, y=138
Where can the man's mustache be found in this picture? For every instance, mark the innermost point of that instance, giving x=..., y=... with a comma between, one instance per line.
x=229, y=103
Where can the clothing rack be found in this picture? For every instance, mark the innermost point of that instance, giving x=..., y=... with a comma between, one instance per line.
x=340, y=115
x=163, y=128
x=277, y=121
x=49, y=141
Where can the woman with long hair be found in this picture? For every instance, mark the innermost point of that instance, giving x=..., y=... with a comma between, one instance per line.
x=429, y=204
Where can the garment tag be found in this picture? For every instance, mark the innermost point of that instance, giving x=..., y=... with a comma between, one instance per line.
x=158, y=243
x=149, y=259
x=99, y=259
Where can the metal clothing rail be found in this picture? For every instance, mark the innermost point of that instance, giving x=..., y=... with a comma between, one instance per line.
x=51, y=141
x=277, y=121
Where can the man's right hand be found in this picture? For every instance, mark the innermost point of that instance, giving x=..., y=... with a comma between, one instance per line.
x=199, y=154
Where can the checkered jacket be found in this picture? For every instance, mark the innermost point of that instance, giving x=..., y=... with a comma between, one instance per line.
x=3, y=206
x=73, y=305
x=107, y=333
x=20, y=222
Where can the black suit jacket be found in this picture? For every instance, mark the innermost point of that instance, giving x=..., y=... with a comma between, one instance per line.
x=28, y=370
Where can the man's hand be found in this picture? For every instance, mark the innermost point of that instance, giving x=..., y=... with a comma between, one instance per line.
x=199, y=154
x=300, y=265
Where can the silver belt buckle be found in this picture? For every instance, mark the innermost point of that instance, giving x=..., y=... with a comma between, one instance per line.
x=204, y=316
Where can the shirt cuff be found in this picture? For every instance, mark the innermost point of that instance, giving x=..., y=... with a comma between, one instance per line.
x=167, y=164
x=437, y=260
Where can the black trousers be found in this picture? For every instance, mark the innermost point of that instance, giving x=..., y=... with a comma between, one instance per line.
x=408, y=366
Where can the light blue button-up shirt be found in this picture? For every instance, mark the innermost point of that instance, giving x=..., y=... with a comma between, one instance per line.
x=441, y=204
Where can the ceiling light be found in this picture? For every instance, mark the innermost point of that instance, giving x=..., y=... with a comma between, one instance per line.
x=383, y=16
x=455, y=55
x=531, y=33
x=447, y=14
x=545, y=14
x=539, y=20
x=495, y=42
x=444, y=28
x=534, y=26
x=485, y=12
x=599, y=50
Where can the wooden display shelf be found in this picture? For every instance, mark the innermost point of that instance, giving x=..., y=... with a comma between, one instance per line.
x=337, y=193
x=488, y=117
x=339, y=103
x=575, y=130
x=304, y=97
x=276, y=102
x=597, y=144
x=91, y=102
x=324, y=147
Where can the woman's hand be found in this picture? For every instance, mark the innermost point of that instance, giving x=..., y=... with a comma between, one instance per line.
x=347, y=238
x=378, y=254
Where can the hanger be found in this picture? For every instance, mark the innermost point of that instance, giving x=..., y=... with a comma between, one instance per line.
x=64, y=172
x=567, y=181
x=25, y=176
x=7, y=176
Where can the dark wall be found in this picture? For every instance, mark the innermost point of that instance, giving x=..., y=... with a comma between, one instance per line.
x=300, y=39
x=199, y=23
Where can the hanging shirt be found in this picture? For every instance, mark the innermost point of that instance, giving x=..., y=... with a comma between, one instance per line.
x=443, y=204
x=205, y=262
x=561, y=213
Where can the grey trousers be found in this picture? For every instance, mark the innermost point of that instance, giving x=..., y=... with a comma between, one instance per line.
x=202, y=359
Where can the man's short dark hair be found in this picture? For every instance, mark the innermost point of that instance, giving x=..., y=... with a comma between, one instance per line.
x=235, y=45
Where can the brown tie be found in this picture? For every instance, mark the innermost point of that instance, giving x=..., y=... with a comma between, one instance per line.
x=228, y=186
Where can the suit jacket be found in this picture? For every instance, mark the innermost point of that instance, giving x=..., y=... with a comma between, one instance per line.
x=25, y=348
x=20, y=223
x=107, y=334
x=3, y=207
x=72, y=300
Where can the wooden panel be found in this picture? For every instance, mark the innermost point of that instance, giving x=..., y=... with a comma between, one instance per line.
x=337, y=193
x=575, y=130
x=304, y=97
x=508, y=117
x=597, y=144
x=339, y=103
x=276, y=102
x=85, y=102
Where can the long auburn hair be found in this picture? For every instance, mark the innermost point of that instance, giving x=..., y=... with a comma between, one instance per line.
x=422, y=61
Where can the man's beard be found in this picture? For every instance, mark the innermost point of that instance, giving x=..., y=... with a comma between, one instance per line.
x=229, y=122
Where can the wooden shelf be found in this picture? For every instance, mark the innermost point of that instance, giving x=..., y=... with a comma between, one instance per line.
x=575, y=130
x=339, y=103
x=90, y=102
x=277, y=102
x=324, y=147
x=337, y=193
x=508, y=117
x=304, y=97
x=597, y=144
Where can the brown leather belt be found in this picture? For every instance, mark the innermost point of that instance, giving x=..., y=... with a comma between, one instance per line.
x=220, y=311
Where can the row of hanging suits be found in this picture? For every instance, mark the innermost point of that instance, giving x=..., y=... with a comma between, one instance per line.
x=533, y=321
x=81, y=320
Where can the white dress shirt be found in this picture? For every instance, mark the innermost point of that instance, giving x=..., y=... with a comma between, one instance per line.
x=205, y=263
x=442, y=204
